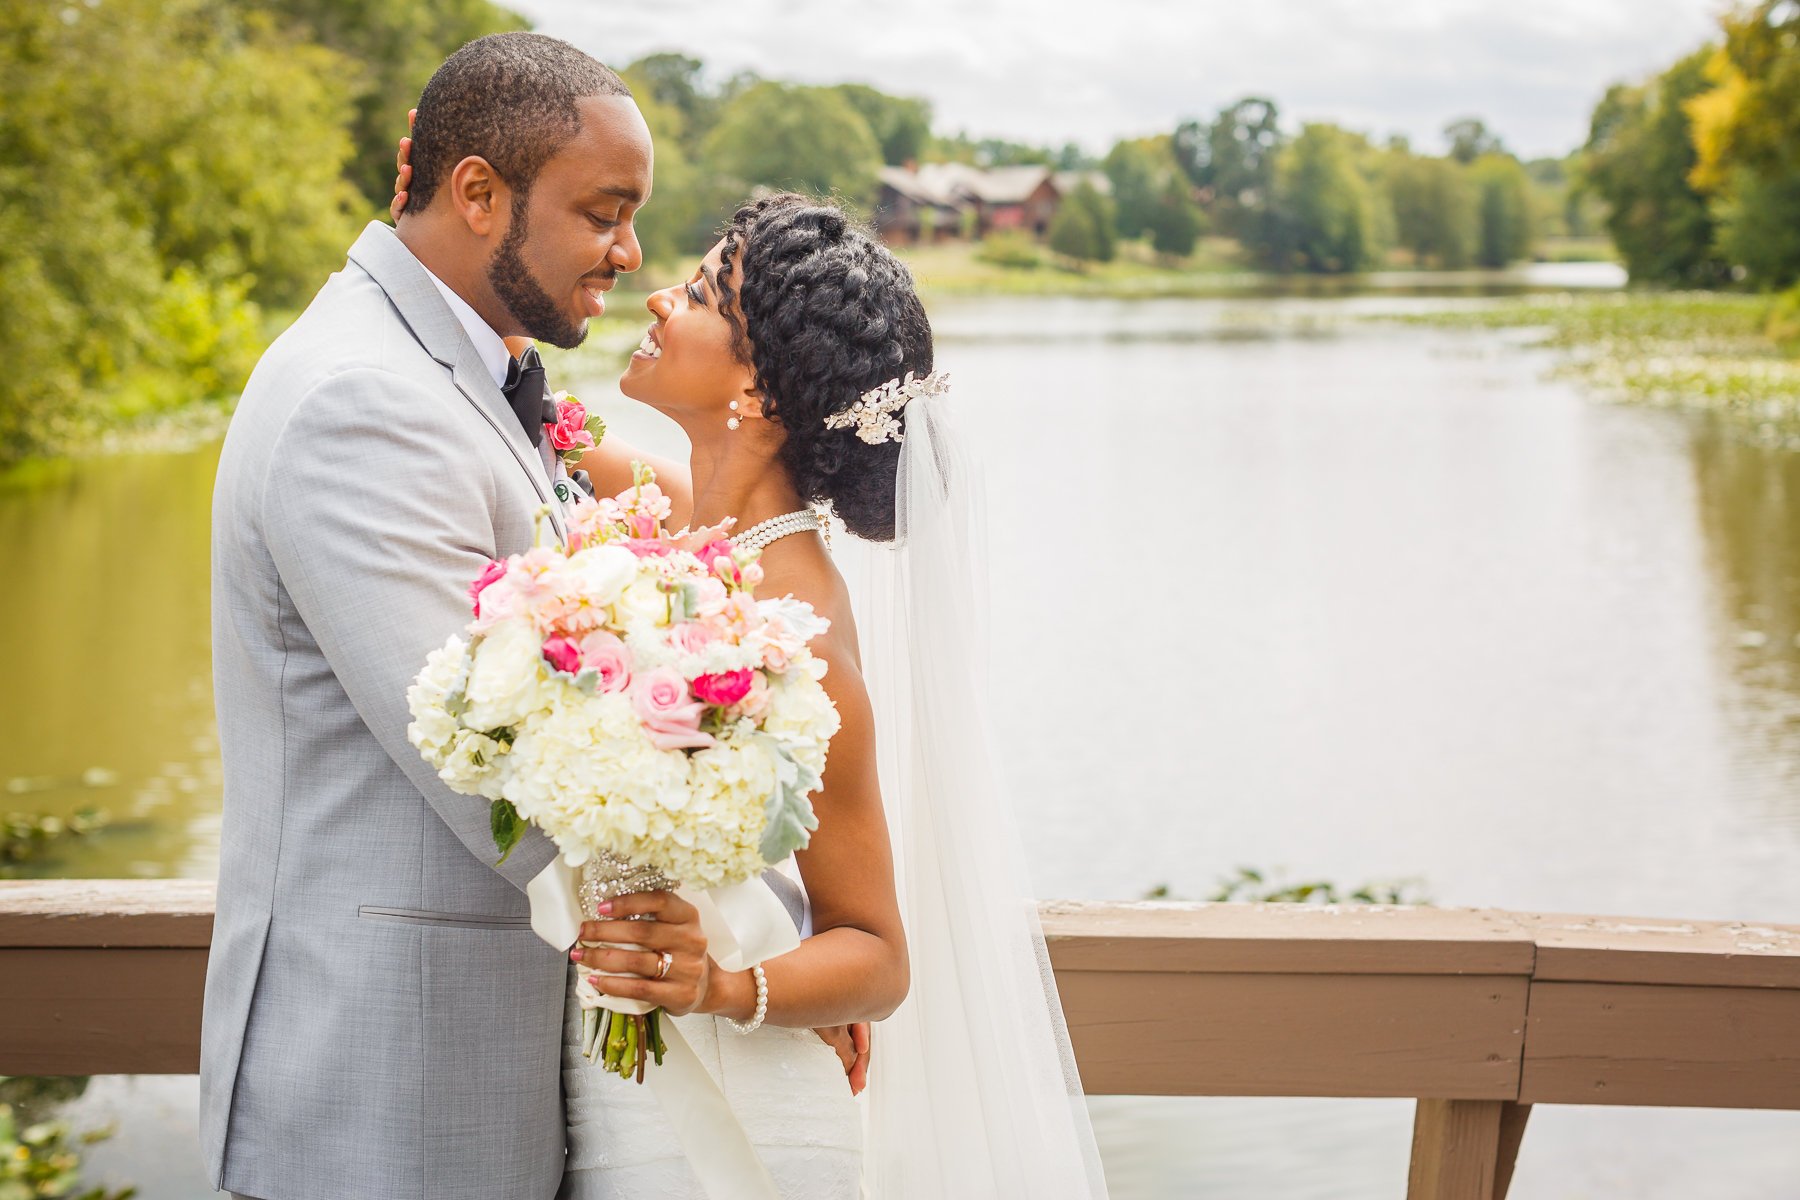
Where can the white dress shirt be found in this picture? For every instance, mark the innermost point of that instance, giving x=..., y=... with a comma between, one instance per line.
x=498, y=360
x=490, y=345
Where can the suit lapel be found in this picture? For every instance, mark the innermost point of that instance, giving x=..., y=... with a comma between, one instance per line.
x=380, y=252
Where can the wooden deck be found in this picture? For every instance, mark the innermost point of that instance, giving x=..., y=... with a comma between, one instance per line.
x=1477, y=1014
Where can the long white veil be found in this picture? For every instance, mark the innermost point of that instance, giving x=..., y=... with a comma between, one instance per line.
x=973, y=1089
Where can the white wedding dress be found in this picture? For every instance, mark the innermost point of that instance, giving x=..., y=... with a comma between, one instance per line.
x=973, y=1089
x=786, y=1087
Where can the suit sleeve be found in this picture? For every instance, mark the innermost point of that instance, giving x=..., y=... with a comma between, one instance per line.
x=378, y=514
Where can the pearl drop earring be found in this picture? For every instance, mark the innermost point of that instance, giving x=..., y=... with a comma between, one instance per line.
x=733, y=422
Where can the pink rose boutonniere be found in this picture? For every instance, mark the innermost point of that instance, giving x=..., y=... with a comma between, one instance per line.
x=574, y=432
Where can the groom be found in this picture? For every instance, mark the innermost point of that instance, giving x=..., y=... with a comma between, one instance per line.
x=380, y=1020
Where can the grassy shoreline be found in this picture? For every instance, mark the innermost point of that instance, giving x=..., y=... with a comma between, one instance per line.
x=1702, y=351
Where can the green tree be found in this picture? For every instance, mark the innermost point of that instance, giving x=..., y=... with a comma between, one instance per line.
x=1638, y=157
x=988, y=152
x=1139, y=170
x=1759, y=226
x=674, y=82
x=1434, y=208
x=1470, y=139
x=1504, y=204
x=1321, y=215
x=901, y=124
x=1746, y=132
x=1232, y=160
x=787, y=136
x=1176, y=222
x=1083, y=226
x=394, y=45
x=135, y=233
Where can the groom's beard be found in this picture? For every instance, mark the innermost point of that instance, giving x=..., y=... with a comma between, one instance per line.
x=529, y=304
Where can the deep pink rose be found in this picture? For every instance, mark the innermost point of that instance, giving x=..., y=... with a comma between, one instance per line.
x=562, y=654
x=570, y=430
x=494, y=570
x=671, y=717
x=607, y=656
x=724, y=689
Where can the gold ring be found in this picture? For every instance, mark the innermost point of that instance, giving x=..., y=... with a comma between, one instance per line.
x=667, y=959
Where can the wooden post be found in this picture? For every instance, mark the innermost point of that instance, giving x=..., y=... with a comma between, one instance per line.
x=1464, y=1149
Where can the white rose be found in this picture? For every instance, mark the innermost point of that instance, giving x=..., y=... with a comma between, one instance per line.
x=603, y=572
x=503, y=680
x=642, y=603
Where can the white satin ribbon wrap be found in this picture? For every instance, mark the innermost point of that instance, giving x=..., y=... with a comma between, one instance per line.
x=745, y=923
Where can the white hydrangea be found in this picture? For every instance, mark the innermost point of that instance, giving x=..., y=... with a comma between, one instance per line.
x=732, y=783
x=583, y=771
x=802, y=715
x=433, y=728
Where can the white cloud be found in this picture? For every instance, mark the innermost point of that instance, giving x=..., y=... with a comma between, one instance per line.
x=1053, y=70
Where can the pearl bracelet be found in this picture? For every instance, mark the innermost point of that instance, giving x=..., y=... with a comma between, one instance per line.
x=762, y=1004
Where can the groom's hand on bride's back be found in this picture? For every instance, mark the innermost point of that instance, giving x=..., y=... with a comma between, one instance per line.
x=852, y=1045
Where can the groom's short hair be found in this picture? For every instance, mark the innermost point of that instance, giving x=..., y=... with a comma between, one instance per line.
x=510, y=98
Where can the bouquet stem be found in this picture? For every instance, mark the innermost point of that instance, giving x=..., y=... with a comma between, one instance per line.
x=621, y=1043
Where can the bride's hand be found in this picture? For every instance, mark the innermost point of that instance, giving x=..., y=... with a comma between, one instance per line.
x=675, y=930
x=402, y=170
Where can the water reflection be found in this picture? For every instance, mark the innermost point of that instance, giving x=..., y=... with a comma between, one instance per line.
x=105, y=638
x=1749, y=504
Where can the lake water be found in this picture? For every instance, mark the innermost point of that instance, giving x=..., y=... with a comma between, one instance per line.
x=1355, y=601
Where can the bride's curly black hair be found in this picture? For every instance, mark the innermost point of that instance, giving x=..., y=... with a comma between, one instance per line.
x=823, y=313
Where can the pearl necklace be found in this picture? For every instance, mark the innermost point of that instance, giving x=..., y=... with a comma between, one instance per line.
x=775, y=528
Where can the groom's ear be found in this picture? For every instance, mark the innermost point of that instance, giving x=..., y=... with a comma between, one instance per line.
x=477, y=193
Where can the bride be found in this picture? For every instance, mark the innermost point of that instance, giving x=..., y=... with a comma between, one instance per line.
x=772, y=357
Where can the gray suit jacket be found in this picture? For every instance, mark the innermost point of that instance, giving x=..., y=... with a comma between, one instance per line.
x=380, y=1020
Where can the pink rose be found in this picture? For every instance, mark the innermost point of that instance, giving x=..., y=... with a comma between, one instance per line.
x=691, y=637
x=756, y=701
x=724, y=689
x=648, y=547
x=712, y=552
x=607, y=656
x=671, y=717
x=493, y=571
x=570, y=431
x=561, y=653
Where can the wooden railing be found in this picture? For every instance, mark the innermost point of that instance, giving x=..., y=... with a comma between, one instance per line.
x=1476, y=1014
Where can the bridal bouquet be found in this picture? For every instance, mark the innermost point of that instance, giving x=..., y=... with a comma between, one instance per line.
x=627, y=694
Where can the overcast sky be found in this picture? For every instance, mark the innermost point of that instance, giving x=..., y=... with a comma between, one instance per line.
x=1056, y=70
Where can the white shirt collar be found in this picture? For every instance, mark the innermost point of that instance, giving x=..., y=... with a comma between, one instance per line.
x=488, y=344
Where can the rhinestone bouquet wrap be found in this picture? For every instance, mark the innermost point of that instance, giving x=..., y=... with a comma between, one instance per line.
x=619, y=1041
x=628, y=694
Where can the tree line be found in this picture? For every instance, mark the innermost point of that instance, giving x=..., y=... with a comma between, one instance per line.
x=174, y=171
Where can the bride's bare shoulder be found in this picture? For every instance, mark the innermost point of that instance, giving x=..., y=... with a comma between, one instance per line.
x=811, y=576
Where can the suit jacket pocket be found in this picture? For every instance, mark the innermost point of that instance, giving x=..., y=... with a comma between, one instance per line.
x=424, y=916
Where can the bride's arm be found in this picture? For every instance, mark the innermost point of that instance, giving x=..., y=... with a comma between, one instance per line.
x=854, y=967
